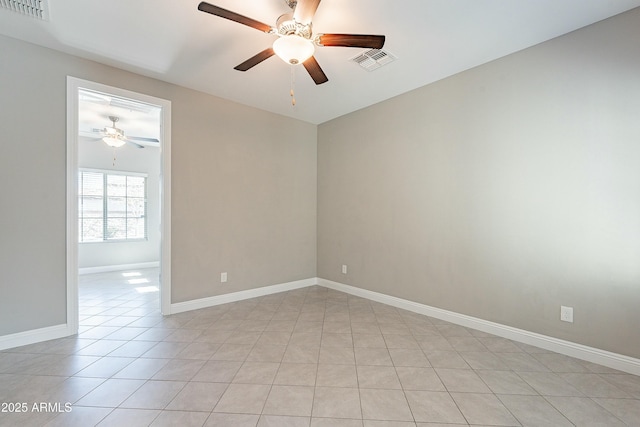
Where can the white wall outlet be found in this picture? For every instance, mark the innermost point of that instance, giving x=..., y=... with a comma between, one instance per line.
x=566, y=314
x=223, y=277
x=344, y=269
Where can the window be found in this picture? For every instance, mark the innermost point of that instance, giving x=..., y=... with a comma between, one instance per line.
x=112, y=206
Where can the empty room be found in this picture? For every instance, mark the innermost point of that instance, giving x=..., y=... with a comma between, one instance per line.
x=363, y=214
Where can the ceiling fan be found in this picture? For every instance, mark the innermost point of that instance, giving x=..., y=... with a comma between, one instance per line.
x=296, y=41
x=114, y=137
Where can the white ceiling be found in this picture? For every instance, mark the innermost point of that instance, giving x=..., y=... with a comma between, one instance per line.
x=174, y=42
x=136, y=119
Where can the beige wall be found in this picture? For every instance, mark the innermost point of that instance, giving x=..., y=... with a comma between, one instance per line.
x=502, y=192
x=243, y=197
x=243, y=188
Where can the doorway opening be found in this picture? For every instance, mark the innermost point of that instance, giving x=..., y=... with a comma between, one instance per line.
x=118, y=204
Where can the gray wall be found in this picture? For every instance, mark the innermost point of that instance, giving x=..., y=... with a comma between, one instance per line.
x=244, y=197
x=502, y=192
x=97, y=155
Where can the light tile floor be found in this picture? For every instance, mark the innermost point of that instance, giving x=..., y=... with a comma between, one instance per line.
x=309, y=357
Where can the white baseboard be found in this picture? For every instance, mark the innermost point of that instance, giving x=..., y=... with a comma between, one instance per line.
x=579, y=351
x=121, y=267
x=241, y=295
x=34, y=336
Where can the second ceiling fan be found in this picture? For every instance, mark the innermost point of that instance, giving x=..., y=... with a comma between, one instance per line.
x=296, y=41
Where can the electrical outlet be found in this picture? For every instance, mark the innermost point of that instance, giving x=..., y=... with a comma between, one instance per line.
x=223, y=277
x=344, y=269
x=566, y=314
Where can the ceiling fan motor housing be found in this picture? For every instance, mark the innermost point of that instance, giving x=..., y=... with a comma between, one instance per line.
x=114, y=132
x=288, y=26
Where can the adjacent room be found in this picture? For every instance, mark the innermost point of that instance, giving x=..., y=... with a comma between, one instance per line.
x=118, y=206
x=428, y=215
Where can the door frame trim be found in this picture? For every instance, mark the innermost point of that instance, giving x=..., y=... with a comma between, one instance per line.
x=73, y=85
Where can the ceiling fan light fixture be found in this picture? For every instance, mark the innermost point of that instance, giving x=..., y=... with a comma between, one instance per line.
x=113, y=136
x=293, y=49
x=114, y=141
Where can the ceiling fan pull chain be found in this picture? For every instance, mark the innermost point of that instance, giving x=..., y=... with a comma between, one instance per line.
x=293, y=82
x=114, y=156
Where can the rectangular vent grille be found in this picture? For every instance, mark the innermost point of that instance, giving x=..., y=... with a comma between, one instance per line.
x=373, y=59
x=34, y=8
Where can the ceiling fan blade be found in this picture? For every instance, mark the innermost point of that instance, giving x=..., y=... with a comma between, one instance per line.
x=304, y=11
x=141, y=138
x=255, y=60
x=232, y=16
x=133, y=143
x=351, y=40
x=314, y=70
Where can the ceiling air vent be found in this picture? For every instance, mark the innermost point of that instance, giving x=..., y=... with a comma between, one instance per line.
x=373, y=59
x=35, y=8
